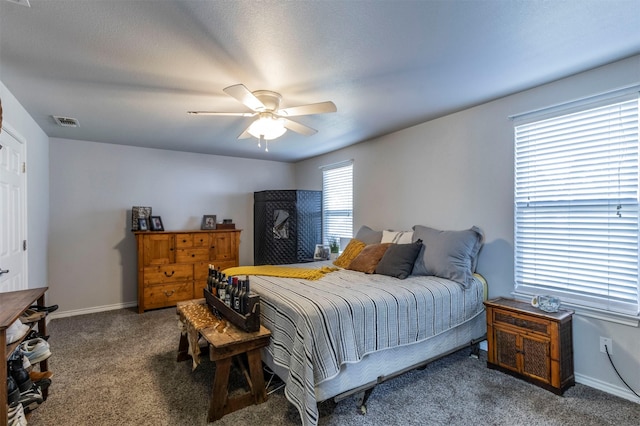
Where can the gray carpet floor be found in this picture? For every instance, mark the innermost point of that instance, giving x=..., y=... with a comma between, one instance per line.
x=119, y=368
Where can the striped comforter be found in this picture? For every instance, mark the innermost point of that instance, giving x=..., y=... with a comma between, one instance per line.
x=317, y=326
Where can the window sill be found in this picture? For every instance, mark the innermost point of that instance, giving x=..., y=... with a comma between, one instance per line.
x=624, y=319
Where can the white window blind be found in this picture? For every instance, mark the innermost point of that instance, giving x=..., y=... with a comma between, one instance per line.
x=576, y=206
x=337, y=202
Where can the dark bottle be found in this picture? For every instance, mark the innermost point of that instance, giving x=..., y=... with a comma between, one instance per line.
x=245, y=300
x=241, y=296
x=210, y=278
x=227, y=293
x=234, y=295
x=221, y=288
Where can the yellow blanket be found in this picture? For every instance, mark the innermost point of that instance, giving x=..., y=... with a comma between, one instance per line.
x=280, y=271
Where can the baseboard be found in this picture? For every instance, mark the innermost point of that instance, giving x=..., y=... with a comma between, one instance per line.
x=607, y=387
x=93, y=310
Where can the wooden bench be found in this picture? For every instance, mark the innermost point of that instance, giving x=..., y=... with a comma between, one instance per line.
x=226, y=343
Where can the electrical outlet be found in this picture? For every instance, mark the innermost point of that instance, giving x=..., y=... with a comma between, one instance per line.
x=608, y=342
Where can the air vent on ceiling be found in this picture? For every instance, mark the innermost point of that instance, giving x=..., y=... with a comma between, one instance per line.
x=21, y=2
x=66, y=121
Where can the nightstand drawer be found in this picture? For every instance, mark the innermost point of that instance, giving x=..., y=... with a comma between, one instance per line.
x=525, y=322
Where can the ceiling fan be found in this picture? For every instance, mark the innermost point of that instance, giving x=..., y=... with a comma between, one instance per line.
x=271, y=122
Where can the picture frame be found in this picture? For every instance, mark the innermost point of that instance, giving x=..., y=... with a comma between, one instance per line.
x=321, y=252
x=143, y=224
x=156, y=223
x=138, y=212
x=208, y=221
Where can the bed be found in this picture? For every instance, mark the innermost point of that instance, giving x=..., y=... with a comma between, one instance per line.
x=349, y=330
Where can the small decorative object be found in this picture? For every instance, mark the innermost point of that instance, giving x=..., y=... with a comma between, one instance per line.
x=138, y=212
x=546, y=303
x=226, y=224
x=156, y=223
x=143, y=225
x=321, y=252
x=333, y=245
x=208, y=221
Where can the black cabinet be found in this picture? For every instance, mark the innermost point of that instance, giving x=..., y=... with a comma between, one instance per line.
x=287, y=226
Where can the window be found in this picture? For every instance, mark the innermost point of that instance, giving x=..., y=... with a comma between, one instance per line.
x=337, y=202
x=576, y=205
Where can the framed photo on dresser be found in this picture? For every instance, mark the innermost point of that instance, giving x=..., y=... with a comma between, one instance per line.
x=143, y=224
x=208, y=221
x=156, y=223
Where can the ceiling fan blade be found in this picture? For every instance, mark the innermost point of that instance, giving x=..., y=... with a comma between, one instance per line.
x=231, y=114
x=241, y=93
x=299, y=128
x=245, y=134
x=319, y=108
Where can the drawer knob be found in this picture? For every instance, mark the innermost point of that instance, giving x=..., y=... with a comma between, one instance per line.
x=169, y=293
x=169, y=275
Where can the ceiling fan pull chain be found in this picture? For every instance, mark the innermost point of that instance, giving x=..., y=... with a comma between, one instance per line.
x=260, y=141
x=266, y=146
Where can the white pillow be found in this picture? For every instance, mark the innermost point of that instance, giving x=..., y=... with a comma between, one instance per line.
x=397, y=237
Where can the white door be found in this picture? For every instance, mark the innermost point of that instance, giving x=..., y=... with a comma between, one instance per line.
x=13, y=258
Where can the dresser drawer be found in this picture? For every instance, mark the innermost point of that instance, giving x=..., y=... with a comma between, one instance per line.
x=201, y=240
x=192, y=255
x=161, y=295
x=168, y=273
x=521, y=321
x=184, y=240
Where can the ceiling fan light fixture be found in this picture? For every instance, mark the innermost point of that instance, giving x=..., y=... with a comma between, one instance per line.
x=267, y=126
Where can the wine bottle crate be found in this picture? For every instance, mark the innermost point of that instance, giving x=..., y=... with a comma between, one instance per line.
x=249, y=322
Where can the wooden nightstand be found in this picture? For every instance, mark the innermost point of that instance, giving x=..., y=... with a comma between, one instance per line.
x=531, y=344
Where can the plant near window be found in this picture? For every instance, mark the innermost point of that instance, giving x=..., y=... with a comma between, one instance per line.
x=334, y=247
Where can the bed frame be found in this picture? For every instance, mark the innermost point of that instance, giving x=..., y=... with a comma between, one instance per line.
x=362, y=377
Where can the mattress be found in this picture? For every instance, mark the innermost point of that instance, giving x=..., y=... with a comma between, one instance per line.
x=326, y=334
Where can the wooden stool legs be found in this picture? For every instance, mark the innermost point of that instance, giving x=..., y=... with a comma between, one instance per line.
x=221, y=403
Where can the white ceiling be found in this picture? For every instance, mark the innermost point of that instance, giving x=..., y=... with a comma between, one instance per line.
x=130, y=70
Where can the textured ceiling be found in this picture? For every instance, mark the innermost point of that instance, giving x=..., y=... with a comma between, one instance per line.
x=130, y=70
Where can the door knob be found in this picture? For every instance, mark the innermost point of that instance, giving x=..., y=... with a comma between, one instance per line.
x=4, y=271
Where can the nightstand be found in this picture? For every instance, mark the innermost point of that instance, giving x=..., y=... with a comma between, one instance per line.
x=531, y=344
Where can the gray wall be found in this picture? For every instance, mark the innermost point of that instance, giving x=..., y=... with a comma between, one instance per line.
x=16, y=118
x=92, y=256
x=457, y=171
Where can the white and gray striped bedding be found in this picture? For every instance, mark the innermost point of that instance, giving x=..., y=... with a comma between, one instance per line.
x=317, y=326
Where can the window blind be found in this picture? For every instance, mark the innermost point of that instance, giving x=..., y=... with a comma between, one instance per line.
x=576, y=206
x=337, y=202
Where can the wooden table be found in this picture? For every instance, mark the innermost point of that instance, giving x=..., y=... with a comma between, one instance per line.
x=227, y=343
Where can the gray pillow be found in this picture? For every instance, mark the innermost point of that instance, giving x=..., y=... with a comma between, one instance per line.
x=448, y=254
x=398, y=260
x=368, y=235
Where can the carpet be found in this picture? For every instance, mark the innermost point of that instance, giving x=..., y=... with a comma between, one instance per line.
x=119, y=368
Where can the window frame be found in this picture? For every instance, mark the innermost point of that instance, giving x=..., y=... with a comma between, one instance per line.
x=526, y=290
x=340, y=171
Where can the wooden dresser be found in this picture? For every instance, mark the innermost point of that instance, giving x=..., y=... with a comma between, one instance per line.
x=173, y=266
x=531, y=344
